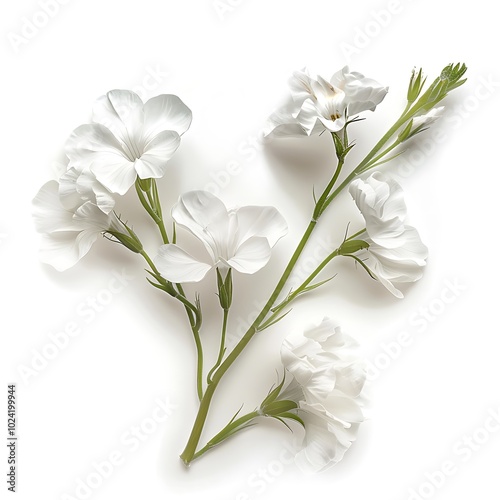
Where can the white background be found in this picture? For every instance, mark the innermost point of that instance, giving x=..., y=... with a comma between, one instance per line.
x=230, y=65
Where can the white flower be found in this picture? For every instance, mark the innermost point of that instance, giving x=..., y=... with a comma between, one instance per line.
x=240, y=239
x=68, y=232
x=129, y=138
x=320, y=105
x=327, y=382
x=78, y=185
x=395, y=253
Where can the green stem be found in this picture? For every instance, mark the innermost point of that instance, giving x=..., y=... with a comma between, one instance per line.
x=306, y=283
x=195, y=328
x=355, y=235
x=194, y=322
x=190, y=450
x=152, y=206
x=323, y=202
x=194, y=438
x=222, y=346
x=369, y=157
x=318, y=209
x=230, y=429
x=174, y=294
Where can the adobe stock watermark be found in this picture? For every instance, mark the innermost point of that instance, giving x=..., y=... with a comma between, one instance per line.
x=418, y=323
x=364, y=34
x=152, y=79
x=462, y=451
x=223, y=7
x=260, y=480
x=130, y=441
x=86, y=313
x=426, y=144
x=31, y=25
x=247, y=151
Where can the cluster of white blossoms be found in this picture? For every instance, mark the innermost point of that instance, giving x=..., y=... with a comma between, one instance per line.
x=126, y=139
x=318, y=105
x=395, y=253
x=327, y=382
x=129, y=143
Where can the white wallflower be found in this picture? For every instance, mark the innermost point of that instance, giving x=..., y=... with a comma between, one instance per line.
x=78, y=185
x=241, y=239
x=68, y=232
x=395, y=253
x=129, y=138
x=327, y=382
x=320, y=105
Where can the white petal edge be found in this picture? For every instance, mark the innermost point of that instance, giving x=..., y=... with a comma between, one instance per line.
x=178, y=266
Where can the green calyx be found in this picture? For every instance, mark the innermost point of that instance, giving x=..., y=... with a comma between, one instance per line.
x=350, y=247
x=129, y=240
x=225, y=289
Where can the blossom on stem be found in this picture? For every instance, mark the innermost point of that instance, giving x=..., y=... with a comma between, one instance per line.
x=78, y=184
x=129, y=138
x=395, y=253
x=240, y=239
x=327, y=380
x=68, y=231
x=318, y=105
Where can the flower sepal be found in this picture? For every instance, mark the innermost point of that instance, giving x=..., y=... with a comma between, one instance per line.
x=225, y=287
x=280, y=409
x=144, y=184
x=130, y=240
x=350, y=247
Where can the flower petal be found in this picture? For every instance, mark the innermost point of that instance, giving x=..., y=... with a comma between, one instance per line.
x=153, y=162
x=301, y=87
x=265, y=222
x=90, y=141
x=321, y=448
x=48, y=213
x=206, y=217
x=121, y=111
x=78, y=185
x=118, y=176
x=178, y=266
x=362, y=93
x=94, y=146
x=64, y=249
x=251, y=256
x=410, y=249
x=166, y=112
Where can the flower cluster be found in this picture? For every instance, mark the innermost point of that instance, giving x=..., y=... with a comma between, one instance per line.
x=327, y=380
x=129, y=143
x=318, y=105
x=127, y=139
